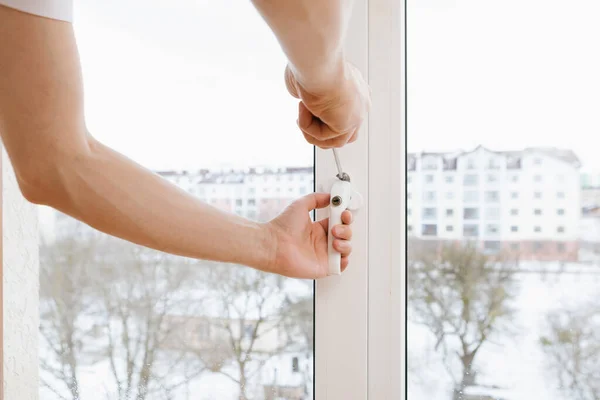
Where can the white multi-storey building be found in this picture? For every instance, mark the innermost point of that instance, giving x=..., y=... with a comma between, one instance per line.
x=526, y=202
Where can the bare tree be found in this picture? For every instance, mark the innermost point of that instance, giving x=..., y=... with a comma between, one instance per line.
x=105, y=302
x=246, y=323
x=299, y=323
x=572, y=347
x=64, y=305
x=463, y=297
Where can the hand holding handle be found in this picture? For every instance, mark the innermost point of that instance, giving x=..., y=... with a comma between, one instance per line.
x=343, y=197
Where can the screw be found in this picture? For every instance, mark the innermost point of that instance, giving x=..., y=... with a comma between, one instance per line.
x=336, y=201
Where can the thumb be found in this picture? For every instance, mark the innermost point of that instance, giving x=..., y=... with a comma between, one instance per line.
x=314, y=201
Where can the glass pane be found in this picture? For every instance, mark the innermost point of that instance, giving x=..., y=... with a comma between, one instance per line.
x=504, y=305
x=193, y=90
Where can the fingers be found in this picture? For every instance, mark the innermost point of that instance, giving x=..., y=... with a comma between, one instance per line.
x=318, y=133
x=344, y=247
x=314, y=201
x=347, y=217
x=345, y=262
x=343, y=232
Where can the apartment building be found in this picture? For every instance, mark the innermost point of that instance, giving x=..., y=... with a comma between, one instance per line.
x=524, y=202
x=256, y=193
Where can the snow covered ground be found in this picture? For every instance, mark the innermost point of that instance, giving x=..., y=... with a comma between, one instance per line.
x=514, y=362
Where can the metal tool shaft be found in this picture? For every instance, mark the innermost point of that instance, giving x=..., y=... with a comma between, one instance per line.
x=337, y=162
x=341, y=174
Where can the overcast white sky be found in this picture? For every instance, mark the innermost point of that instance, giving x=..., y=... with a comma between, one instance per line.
x=190, y=83
x=506, y=74
x=187, y=83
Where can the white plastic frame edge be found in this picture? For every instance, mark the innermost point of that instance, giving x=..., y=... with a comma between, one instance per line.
x=359, y=316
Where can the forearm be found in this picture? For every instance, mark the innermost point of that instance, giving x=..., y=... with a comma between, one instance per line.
x=114, y=195
x=312, y=34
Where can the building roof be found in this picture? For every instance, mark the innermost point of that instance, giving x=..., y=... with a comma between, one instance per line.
x=565, y=155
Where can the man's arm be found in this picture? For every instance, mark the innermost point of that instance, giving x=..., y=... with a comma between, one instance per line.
x=311, y=33
x=59, y=164
x=334, y=97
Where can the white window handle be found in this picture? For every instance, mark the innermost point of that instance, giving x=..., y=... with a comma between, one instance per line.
x=343, y=197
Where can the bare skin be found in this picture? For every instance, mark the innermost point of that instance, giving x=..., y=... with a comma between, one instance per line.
x=60, y=164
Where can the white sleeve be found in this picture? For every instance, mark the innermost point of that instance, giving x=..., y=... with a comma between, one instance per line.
x=55, y=9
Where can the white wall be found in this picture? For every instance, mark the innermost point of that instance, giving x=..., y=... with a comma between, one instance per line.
x=20, y=292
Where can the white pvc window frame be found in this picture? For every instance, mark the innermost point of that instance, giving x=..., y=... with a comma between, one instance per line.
x=359, y=317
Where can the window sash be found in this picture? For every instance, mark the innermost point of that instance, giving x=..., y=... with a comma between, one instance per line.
x=360, y=316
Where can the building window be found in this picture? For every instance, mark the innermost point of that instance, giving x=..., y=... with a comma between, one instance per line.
x=492, y=196
x=449, y=195
x=560, y=211
x=514, y=178
x=537, y=211
x=560, y=229
x=537, y=178
x=492, y=229
x=560, y=195
x=514, y=212
x=409, y=179
x=429, y=196
x=429, y=213
x=409, y=228
x=471, y=213
x=492, y=246
x=429, y=164
x=429, y=178
x=561, y=248
x=537, y=246
x=492, y=213
x=492, y=164
x=295, y=365
x=203, y=330
x=449, y=212
x=471, y=230
x=251, y=202
x=429, y=230
x=470, y=164
x=449, y=228
x=514, y=228
x=408, y=195
x=514, y=246
x=514, y=195
x=537, y=195
x=238, y=202
x=537, y=161
x=408, y=211
x=537, y=229
x=492, y=178
x=471, y=180
x=248, y=331
x=449, y=179
x=471, y=196
x=251, y=190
